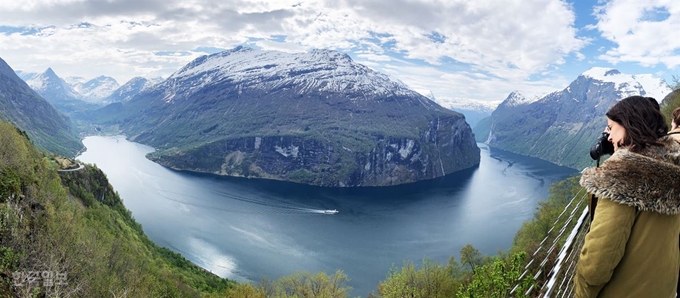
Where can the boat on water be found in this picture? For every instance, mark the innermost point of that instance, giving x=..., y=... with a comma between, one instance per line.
x=331, y=211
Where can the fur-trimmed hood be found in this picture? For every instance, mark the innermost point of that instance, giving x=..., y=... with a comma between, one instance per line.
x=648, y=180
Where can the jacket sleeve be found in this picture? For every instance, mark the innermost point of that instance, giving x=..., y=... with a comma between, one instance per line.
x=604, y=247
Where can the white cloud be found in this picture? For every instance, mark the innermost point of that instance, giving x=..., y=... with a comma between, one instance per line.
x=29, y=5
x=481, y=48
x=374, y=57
x=280, y=46
x=467, y=84
x=516, y=38
x=644, y=32
x=580, y=56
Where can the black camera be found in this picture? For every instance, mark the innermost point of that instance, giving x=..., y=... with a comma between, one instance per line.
x=602, y=147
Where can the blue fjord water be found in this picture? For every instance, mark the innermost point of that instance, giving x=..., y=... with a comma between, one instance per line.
x=249, y=229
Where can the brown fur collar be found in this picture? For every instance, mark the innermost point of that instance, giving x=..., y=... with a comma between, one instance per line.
x=648, y=180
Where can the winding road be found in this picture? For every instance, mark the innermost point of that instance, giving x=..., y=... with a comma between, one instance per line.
x=80, y=167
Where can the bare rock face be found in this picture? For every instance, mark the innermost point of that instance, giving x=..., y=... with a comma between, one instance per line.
x=447, y=146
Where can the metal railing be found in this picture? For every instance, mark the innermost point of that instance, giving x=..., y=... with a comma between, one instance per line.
x=553, y=264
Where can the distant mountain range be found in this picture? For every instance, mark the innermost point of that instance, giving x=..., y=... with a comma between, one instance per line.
x=474, y=110
x=57, y=92
x=79, y=88
x=96, y=90
x=130, y=89
x=26, y=109
x=74, y=95
x=562, y=126
x=316, y=118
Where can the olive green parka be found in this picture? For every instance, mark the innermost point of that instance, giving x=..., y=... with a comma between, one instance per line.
x=632, y=249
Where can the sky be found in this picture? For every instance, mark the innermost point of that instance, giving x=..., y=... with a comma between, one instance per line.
x=480, y=50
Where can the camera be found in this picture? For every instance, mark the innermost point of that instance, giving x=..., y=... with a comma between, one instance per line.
x=602, y=147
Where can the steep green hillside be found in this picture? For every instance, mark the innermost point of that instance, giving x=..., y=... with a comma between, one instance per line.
x=562, y=126
x=671, y=102
x=556, y=133
x=74, y=225
x=482, y=129
x=23, y=107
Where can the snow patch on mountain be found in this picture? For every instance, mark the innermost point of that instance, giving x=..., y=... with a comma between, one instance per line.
x=25, y=75
x=95, y=90
x=49, y=82
x=317, y=70
x=151, y=82
x=467, y=104
x=628, y=85
x=133, y=87
x=75, y=81
x=515, y=98
x=39, y=82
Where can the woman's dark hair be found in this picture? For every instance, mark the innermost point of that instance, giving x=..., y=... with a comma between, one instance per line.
x=642, y=120
x=654, y=103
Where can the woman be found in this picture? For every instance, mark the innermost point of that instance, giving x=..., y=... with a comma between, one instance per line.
x=631, y=249
x=675, y=133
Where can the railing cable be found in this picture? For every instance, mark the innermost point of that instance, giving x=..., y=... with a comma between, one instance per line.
x=554, y=242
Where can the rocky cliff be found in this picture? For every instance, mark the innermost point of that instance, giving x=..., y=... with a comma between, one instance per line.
x=447, y=146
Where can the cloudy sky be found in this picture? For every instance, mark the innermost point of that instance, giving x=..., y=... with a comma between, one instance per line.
x=453, y=48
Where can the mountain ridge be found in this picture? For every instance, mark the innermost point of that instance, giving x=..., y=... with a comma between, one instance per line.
x=26, y=109
x=71, y=94
x=244, y=112
x=58, y=92
x=562, y=126
x=246, y=66
x=97, y=89
x=130, y=89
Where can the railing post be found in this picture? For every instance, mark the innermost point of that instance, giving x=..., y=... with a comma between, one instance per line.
x=568, y=245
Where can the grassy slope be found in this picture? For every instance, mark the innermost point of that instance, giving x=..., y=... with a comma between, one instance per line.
x=78, y=225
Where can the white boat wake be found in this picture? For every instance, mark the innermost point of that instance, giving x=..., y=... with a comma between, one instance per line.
x=329, y=211
x=252, y=205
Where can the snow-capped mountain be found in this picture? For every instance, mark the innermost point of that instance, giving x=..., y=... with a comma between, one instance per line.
x=627, y=85
x=474, y=110
x=97, y=89
x=133, y=87
x=27, y=110
x=56, y=91
x=93, y=91
x=481, y=106
x=562, y=126
x=316, y=118
x=50, y=85
x=516, y=98
x=318, y=70
x=25, y=75
x=74, y=81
